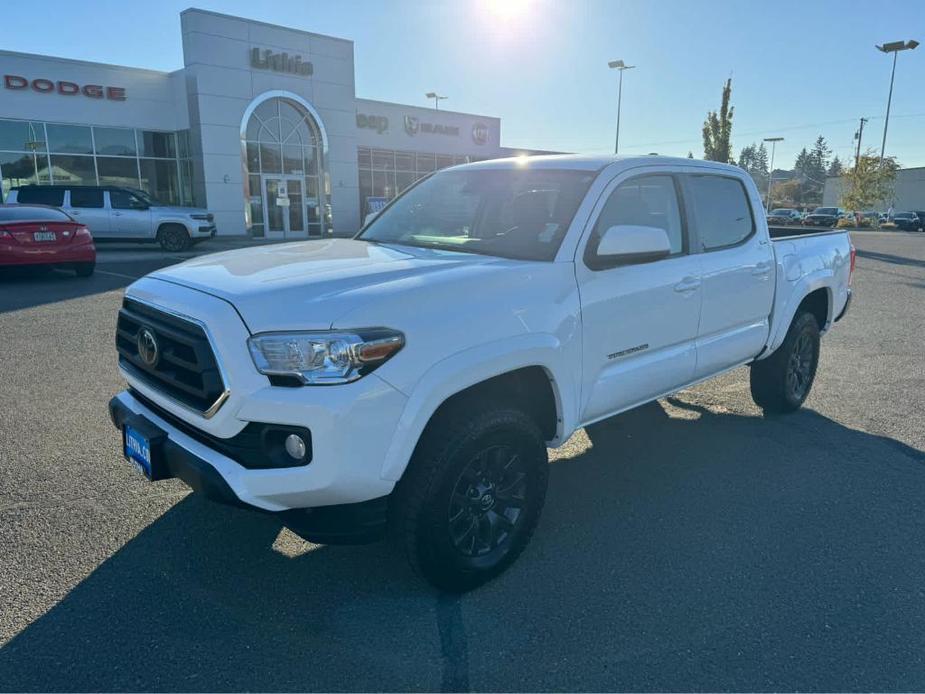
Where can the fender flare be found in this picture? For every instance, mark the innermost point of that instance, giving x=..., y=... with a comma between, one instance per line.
x=161, y=221
x=464, y=369
x=821, y=279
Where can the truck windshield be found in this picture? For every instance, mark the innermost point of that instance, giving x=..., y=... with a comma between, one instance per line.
x=511, y=213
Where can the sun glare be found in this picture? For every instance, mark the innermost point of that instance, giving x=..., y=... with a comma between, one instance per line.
x=507, y=10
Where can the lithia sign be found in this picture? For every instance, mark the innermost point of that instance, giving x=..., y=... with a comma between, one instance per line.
x=265, y=59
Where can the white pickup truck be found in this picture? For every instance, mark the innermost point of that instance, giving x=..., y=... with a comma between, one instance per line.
x=407, y=382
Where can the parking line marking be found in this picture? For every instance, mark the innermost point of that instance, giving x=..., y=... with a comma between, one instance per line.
x=117, y=274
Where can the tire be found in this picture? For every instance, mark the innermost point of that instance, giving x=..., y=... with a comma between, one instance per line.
x=471, y=497
x=173, y=238
x=782, y=382
x=84, y=269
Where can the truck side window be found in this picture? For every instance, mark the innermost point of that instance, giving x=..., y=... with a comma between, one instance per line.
x=86, y=197
x=646, y=201
x=123, y=200
x=40, y=195
x=721, y=210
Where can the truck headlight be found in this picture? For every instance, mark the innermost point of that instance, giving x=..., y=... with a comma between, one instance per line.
x=325, y=357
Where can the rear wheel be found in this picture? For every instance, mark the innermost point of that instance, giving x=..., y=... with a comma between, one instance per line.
x=781, y=383
x=84, y=269
x=470, y=500
x=173, y=238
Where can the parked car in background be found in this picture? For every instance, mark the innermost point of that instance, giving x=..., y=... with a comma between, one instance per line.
x=412, y=378
x=34, y=235
x=909, y=221
x=823, y=217
x=784, y=215
x=114, y=213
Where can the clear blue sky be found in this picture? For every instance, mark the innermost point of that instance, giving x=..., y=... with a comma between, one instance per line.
x=800, y=68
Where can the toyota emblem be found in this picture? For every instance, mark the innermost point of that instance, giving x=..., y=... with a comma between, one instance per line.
x=148, y=348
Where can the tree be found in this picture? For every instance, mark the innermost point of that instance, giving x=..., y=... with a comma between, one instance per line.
x=836, y=167
x=810, y=168
x=868, y=184
x=717, y=130
x=754, y=159
x=690, y=155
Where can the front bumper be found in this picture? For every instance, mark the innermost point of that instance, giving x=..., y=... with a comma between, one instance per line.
x=183, y=457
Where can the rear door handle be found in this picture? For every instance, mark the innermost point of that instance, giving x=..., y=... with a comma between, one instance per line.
x=688, y=284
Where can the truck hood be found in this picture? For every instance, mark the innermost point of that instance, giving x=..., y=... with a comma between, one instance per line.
x=308, y=285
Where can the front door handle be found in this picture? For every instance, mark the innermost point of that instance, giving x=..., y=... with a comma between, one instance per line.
x=117, y=214
x=688, y=284
x=762, y=269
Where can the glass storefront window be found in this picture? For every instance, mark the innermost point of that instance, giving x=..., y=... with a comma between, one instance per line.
x=116, y=171
x=69, y=139
x=283, y=162
x=444, y=160
x=17, y=170
x=22, y=136
x=73, y=169
x=156, y=144
x=114, y=141
x=160, y=179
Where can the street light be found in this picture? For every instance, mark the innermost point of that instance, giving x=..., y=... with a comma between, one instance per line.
x=894, y=47
x=436, y=97
x=621, y=66
x=773, y=141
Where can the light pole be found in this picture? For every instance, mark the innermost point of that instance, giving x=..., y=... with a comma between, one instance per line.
x=621, y=66
x=773, y=141
x=436, y=97
x=893, y=47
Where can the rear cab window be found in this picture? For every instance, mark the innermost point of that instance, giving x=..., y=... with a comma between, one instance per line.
x=720, y=210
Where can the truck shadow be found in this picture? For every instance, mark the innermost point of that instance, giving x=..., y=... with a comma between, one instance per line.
x=682, y=548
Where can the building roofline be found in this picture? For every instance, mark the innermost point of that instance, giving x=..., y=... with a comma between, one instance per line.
x=73, y=61
x=425, y=108
x=266, y=24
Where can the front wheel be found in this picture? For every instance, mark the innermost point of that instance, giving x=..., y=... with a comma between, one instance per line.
x=470, y=500
x=781, y=383
x=173, y=238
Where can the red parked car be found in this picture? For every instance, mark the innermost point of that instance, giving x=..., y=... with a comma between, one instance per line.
x=33, y=235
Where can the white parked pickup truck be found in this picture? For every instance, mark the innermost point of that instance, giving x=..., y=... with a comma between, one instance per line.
x=407, y=382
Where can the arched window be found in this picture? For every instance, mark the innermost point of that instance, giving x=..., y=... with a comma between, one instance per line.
x=284, y=147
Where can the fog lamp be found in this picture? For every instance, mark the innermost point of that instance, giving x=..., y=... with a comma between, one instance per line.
x=295, y=446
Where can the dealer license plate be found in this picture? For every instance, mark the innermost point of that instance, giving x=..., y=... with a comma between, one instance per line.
x=138, y=450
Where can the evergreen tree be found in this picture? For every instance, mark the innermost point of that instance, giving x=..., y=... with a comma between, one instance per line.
x=836, y=167
x=754, y=159
x=717, y=130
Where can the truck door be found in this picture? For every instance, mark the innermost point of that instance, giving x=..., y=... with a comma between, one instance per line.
x=129, y=216
x=639, y=321
x=85, y=204
x=738, y=271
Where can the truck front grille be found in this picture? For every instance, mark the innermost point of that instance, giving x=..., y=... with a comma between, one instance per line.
x=170, y=354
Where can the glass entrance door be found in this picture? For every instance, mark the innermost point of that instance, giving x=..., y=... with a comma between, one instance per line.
x=284, y=209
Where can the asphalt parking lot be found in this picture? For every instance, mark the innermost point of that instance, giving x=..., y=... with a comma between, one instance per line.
x=689, y=545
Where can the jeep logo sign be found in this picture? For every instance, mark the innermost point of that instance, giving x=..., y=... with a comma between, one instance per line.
x=378, y=123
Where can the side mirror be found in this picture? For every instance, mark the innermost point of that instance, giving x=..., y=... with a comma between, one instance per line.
x=627, y=244
x=138, y=205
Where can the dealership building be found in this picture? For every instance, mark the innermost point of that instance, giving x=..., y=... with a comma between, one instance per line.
x=262, y=126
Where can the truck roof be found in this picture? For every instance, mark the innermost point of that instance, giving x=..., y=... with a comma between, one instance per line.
x=591, y=162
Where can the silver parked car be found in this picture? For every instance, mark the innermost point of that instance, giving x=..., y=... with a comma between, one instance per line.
x=123, y=214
